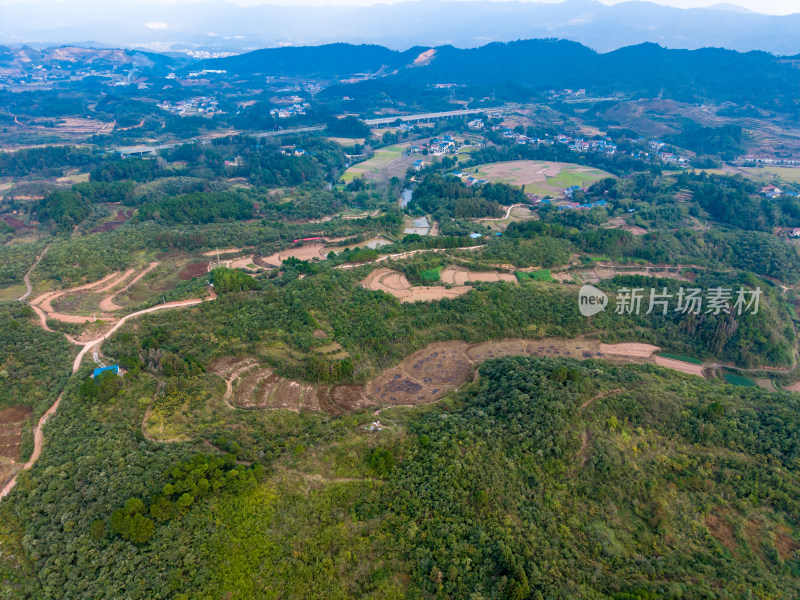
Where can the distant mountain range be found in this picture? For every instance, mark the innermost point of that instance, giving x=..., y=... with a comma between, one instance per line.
x=516, y=69
x=214, y=26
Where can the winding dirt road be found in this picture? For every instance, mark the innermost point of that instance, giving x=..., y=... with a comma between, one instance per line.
x=508, y=213
x=91, y=344
x=38, y=435
x=27, y=277
x=107, y=304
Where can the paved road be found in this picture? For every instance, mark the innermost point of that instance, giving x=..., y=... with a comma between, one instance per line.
x=151, y=149
x=432, y=116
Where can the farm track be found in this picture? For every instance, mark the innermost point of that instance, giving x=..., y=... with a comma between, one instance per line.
x=507, y=215
x=328, y=402
x=38, y=435
x=107, y=304
x=27, y=277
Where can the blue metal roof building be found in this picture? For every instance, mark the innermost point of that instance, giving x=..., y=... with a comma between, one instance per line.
x=112, y=368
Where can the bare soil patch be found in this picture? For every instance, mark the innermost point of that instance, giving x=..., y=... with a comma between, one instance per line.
x=265, y=388
x=193, y=270
x=633, y=350
x=289, y=395
x=253, y=386
x=579, y=348
x=422, y=377
x=223, y=251
x=112, y=224
x=304, y=252
x=601, y=271
x=766, y=384
x=15, y=414
x=722, y=531
x=16, y=223
x=621, y=223
x=784, y=544
x=244, y=389
x=246, y=262
x=12, y=420
x=232, y=366
x=679, y=365
x=396, y=284
x=349, y=397
x=444, y=364
x=396, y=387
x=460, y=276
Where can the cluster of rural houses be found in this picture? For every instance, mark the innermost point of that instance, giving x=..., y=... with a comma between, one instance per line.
x=669, y=158
x=290, y=111
x=585, y=206
x=468, y=178
x=581, y=145
x=436, y=147
x=771, y=192
x=292, y=151
x=204, y=105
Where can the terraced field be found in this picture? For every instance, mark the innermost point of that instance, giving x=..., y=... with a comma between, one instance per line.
x=423, y=377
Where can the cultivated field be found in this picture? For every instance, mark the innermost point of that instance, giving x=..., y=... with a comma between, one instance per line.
x=378, y=166
x=514, y=214
x=396, y=284
x=621, y=223
x=541, y=177
x=460, y=276
x=788, y=174
x=251, y=385
x=422, y=377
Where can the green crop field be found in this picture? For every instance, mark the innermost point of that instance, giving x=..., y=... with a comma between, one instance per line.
x=687, y=359
x=381, y=158
x=739, y=380
x=541, y=177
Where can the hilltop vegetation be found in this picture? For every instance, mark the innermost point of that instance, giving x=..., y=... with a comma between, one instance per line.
x=547, y=478
x=33, y=363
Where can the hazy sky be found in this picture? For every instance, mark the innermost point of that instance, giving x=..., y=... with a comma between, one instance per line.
x=775, y=7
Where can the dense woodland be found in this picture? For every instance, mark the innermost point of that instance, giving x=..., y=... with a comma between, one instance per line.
x=679, y=476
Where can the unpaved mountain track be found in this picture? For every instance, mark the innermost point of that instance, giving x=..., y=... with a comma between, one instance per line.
x=38, y=435
x=27, y=277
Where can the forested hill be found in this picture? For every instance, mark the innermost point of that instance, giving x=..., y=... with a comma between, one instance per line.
x=761, y=79
x=330, y=60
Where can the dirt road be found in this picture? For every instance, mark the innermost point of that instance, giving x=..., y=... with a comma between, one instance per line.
x=91, y=344
x=38, y=435
x=27, y=277
x=107, y=304
x=38, y=443
x=508, y=214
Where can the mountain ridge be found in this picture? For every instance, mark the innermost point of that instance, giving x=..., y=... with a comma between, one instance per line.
x=227, y=27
